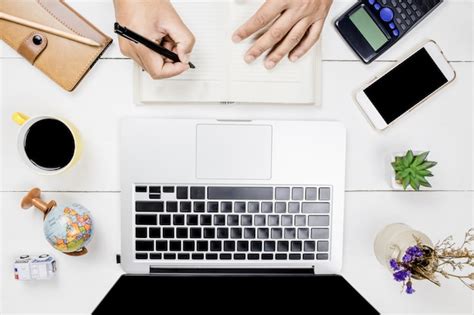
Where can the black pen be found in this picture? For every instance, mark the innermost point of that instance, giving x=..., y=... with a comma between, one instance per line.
x=137, y=38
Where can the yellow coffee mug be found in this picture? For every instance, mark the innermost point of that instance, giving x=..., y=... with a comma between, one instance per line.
x=48, y=144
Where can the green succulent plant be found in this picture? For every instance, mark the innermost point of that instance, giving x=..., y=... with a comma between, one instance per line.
x=412, y=170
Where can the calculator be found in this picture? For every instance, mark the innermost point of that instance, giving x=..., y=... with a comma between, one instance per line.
x=371, y=27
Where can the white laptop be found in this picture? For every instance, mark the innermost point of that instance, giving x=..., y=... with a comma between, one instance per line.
x=231, y=196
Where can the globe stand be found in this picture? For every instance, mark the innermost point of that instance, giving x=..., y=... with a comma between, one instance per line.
x=33, y=198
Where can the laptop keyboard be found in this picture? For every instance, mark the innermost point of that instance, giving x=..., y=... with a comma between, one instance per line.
x=232, y=223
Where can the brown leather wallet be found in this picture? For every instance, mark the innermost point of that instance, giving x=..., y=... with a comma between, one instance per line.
x=63, y=60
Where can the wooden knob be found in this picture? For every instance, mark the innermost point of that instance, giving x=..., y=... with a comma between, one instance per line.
x=33, y=198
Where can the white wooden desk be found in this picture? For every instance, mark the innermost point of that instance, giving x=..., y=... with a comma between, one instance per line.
x=444, y=125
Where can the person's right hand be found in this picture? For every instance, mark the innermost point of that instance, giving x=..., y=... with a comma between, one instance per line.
x=155, y=20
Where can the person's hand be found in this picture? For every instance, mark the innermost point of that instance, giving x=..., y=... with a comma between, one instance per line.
x=289, y=27
x=155, y=20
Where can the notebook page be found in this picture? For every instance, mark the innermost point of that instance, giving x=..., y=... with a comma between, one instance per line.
x=209, y=81
x=288, y=82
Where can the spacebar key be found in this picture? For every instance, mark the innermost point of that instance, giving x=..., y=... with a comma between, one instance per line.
x=240, y=193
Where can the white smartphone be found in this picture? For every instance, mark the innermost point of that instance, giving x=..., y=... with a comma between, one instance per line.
x=402, y=88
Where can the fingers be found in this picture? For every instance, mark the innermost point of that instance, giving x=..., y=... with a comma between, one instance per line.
x=184, y=40
x=308, y=41
x=287, y=44
x=268, y=12
x=273, y=36
x=155, y=65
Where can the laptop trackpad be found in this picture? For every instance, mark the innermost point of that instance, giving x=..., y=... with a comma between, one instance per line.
x=234, y=152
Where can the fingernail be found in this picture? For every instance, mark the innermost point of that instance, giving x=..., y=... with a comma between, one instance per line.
x=294, y=58
x=249, y=59
x=270, y=64
x=236, y=38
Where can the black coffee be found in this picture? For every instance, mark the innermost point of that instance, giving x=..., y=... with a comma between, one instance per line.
x=49, y=144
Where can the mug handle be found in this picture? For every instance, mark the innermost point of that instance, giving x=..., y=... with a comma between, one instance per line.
x=20, y=118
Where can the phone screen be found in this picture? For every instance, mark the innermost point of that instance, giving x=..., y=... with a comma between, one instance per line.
x=405, y=86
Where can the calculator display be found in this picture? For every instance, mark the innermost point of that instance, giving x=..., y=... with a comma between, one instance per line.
x=368, y=28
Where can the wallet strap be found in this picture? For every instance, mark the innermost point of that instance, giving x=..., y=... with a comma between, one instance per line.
x=33, y=45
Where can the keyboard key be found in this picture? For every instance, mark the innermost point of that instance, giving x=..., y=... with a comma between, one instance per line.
x=263, y=233
x=282, y=193
x=195, y=233
x=188, y=246
x=311, y=193
x=300, y=220
x=141, y=189
x=325, y=193
x=175, y=246
x=318, y=220
x=294, y=207
x=149, y=206
x=256, y=246
x=323, y=246
x=181, y=233
x=282, y=246
x=297, y=193
x=141, y=256
x=239, y=207
x=322, y=256
x=222, y=233
x=246, y=220
x=197, y=256
x=182, y=256
x=155, y=233
x=181, y=192
x=235, y=233
x=198, y=193
x=269, y=246
x=277, y=233
x=273, y=220
x=295, y=256
x=168, y=232
x=240, y=193
x=308, y=256
x=232, y=220
x=211, y=256
x=155, y=256
x=185, y=206
x=267, y=256
x=296, y=246
x=219, y=220
x=171, y=206
x=319, y=233
x=253, y=207
x=303, y=234
x=155, y=196
x=226, y=207
x=229, y=246
x=225, y=256
x=169, y=256
x=280, y=207
x=161, y=246
x=199, y=206
x=165, y=219
x=144, y=245
x=281, y=256
x=192, y=219
x=168, y=189
x=206, y=219
x=178, y=219
x=290, y=233
x=267, y=207
x=309, y=246
x=155, y=190
x=249, y=233
x=242, y=246
x=253, y=256
x=202, y=246
x=315, y=207
x=287, y=220
x=209, y=233
x=260, y=220
x=239, y=256
x=140, y=232
x=144, y=219
x=212, y=207
x=216, y=246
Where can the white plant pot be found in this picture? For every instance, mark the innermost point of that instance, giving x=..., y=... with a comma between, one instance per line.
x=393, y=181
x=393, y=241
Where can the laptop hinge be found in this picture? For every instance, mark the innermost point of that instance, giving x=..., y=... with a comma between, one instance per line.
x=233, y=271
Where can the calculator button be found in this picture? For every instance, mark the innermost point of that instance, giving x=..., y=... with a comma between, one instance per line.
x=391, y=25
x=386, y=14
x=395, y=33
x=377, y=6
x=404, y=27
x=399, y=10
x=371, y=2
x=418, y=13
x=394, y=3
x=399, y=21
x=404, y=5
x=413, y=17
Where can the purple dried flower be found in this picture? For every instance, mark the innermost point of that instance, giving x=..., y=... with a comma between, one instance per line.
x=414, y=251
x=394, y=264
x=401, y=275
x=409, y=289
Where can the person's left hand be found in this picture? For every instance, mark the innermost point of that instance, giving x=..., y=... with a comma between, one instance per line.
x=294, y=26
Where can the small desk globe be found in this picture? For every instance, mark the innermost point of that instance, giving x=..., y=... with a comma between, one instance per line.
x=68, y=228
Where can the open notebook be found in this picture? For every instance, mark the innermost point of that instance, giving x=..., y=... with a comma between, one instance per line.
x=222, y=75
